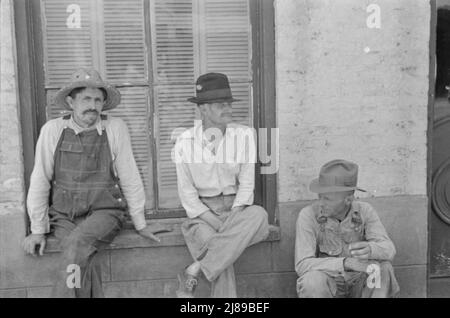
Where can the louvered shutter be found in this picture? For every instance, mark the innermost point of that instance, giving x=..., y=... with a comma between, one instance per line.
x=112, y=40
x=174, y=56
x=66, y=49
x=124, y=35
x=228, y=50
x=192, y=38
x=125, y=63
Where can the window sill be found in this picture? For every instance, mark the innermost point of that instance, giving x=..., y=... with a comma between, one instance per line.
x=129, y=238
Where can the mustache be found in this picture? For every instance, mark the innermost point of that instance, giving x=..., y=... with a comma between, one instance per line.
x=90, y=111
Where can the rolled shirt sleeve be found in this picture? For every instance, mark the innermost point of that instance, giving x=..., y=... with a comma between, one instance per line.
x=128, y=173
x=306, y=245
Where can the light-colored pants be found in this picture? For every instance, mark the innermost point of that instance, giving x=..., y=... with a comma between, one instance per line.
x=319, y=284
x=217, y=251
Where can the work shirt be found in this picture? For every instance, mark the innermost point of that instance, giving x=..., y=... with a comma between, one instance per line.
x=124, y=165
x=208, y=167
x=323, y=242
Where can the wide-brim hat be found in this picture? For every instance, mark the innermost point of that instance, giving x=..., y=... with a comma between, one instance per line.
x=92, y=79
x=336, y=176
x=213, y=88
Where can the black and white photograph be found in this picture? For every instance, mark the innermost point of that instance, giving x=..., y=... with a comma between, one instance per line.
x=243, y=150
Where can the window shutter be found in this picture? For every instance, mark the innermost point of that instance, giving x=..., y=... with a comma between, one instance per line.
x=174, y=47
x=125, y=63
x=174, y=41
x=228, y=50
x=124, y=33
x=193, y=37
x=66, y=48
x=112, y=40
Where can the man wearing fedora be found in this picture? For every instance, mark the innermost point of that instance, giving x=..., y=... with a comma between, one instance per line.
x=341, y=247
x=216, y=178
x=84, y=180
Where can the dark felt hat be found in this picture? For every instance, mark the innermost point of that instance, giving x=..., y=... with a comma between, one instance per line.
x=211, y=88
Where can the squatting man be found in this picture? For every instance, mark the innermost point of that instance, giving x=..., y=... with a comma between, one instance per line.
x=339, y=240
x=84, y=180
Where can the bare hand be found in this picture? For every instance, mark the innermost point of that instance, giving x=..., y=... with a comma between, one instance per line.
x=151, y=229
x=360, y=250
x=30, y=243
x=355, y=265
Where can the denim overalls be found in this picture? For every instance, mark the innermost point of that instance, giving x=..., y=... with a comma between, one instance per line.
x=88, y=207
x=335, y=237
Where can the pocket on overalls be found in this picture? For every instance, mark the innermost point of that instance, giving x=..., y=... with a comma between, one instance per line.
x=71, y=156
x=93, y=162
x=61, y=200
x=353, y=233
x=329, y=242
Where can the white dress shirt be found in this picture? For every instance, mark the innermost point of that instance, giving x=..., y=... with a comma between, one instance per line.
x=124, y=165
x=208, y=167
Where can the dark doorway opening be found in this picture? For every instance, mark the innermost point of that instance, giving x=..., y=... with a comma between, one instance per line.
x=439, y=220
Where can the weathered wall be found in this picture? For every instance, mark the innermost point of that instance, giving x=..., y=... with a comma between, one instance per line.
x=337, y=101
x=11, y=159
x=348, y=91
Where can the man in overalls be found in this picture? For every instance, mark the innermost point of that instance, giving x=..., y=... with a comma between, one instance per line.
x=216, y=179
x=342, y=248
x=85, y=165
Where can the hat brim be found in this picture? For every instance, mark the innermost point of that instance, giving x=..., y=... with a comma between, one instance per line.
x=112, y=100
x=195, y=100
x=317, y=188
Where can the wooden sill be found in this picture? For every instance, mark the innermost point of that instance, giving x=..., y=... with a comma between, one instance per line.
x=129, y=238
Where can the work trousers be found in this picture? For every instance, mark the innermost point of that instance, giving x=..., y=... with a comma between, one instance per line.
x=81, y=240
x=320, y=284
x=218, y=250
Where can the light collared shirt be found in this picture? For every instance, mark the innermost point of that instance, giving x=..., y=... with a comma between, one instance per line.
x=124, y=166
x=208, y=166
x=307, y=242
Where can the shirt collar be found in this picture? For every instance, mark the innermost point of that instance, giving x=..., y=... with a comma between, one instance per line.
x=77, y=129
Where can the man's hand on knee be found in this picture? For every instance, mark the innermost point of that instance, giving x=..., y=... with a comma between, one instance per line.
x=30, y=243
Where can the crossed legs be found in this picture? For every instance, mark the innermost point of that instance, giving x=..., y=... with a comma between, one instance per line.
x=216, y=252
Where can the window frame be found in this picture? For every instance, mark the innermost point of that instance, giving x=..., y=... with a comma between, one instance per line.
x=30, y=60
